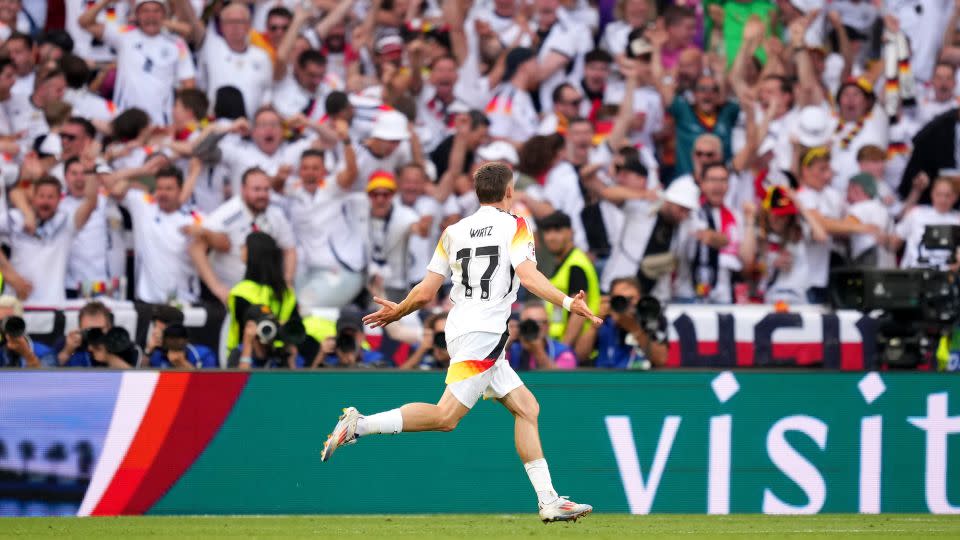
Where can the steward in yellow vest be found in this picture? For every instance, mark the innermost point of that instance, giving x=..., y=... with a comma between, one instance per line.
x=575, y=272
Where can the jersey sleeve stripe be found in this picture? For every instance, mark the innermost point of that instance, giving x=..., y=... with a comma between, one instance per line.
x=522, y=237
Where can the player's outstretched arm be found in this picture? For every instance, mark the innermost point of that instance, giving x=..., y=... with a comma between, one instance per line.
x=419, y=296
x=537, y=283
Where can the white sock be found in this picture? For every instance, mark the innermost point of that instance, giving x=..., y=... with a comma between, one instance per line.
x=539, y=475
x=386, y=422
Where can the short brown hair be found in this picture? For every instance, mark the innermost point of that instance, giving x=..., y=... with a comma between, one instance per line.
x=195, y=101
x=871, y=153
x=491, y=181
x=92, y=309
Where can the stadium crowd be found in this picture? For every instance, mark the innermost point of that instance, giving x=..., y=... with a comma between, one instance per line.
x=269, y=160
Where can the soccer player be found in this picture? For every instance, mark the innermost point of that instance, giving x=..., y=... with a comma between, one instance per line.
x=488, y=253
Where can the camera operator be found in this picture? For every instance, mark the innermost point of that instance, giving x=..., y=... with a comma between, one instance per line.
x=532, y=348
x=349, y=348
x=628, y=337
x=168, y=346
x=16, y=348
x=432, y=352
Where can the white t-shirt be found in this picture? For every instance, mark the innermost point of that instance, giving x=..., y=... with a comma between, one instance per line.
x=645, y=100
x=511, y=113
x=567, y=39
x=250, y=71
x=614, y=38
x=727, y=260
x=239, y=155
x=367, y=163
x=149, y=69
x=562, y=190
x=88, y=105
x=311, y=216
x=419, y=247
x=234, y=219
x=434, y=119
x=88, y=260
x=42, y=256
x=84, y=45
x=789, y=285
x=476, y=252
x=389, y=249
x=843, y=158
x=290, y=99
x=829, y=203
x=22, y=117
x=911, y=229
x=923, y=22
x=24, y=85
x=163, y=267
x=872, y=212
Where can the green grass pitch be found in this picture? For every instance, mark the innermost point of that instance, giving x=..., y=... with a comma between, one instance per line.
x=488, y=527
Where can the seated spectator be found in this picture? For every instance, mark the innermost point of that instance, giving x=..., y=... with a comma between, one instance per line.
x=621, y=341
x=432, y=352
x=575, y=272
x=532, y=347
x=264, y=286
x=349, y=348
x=19, y=350
x=909, y=231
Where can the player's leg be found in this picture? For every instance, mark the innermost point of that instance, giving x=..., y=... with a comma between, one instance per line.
x=526, y=411
x=444, y=416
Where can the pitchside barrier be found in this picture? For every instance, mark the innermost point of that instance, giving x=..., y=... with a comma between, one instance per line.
x=107, y=443
x=700, y=336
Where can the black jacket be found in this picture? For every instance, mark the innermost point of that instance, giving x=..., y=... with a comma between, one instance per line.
x=933, y=150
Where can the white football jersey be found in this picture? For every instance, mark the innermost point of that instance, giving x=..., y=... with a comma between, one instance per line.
x=481, y=253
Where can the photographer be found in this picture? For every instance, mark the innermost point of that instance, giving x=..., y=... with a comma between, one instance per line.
x=16, y=348
x=259, y=306
x=628, y=337
x=432, y=352
x=349, y=348
x=168, y=346
x=532, y=348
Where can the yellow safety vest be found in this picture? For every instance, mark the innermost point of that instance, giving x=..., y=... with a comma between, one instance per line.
x=561, y=280
x=257, y=294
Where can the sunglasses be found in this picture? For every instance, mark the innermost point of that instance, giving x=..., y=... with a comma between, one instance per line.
x=573, y=102
x=708, y=89
x=275, y=27
x=701, y=154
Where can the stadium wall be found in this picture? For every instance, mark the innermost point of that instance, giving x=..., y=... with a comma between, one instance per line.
x=108, y=443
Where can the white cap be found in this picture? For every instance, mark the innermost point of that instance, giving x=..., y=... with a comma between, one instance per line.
x=683, y=193
x=499, y=151
x=139, y=3
x=390, y=126
x=51, y=145
x=807, y=6
x=813, y=127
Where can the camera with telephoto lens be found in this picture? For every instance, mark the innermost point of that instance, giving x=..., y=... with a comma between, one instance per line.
x=648, y=314
x=619, y=304
x=13, y=327
x=91, y=336
x=270, y=330
x=529, y=330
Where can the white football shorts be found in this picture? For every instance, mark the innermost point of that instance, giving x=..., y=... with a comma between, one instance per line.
x=478, y=367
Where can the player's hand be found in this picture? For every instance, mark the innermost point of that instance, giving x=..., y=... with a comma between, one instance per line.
x=390, y=312
x=580, y=307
